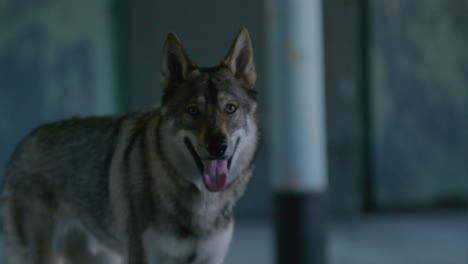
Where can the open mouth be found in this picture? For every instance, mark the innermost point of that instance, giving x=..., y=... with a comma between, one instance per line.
x=214, y=172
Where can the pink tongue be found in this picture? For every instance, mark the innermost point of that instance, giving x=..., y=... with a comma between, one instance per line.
x=215, y=174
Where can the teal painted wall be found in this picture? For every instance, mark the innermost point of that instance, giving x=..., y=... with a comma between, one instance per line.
x=420, y=101
x=55, y=62
x=343, y=106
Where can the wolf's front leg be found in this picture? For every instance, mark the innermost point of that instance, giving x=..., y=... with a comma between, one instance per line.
x=28, y=228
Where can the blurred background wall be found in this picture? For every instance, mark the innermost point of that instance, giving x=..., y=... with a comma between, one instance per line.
x=396, y=84
x=419, y=103
x=344, y=57
x=56, y=61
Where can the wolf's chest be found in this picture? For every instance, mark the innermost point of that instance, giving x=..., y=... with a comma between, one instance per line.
x=167, y=247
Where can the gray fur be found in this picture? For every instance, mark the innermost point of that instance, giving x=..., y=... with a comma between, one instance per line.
x=125, y=189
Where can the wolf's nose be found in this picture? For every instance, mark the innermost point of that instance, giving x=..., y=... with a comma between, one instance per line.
x=217, y=150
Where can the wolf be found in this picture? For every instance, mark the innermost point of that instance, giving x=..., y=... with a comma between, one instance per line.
x=154, y=186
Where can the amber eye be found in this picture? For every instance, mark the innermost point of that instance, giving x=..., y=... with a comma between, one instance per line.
x=192, y=110
x=230, y=108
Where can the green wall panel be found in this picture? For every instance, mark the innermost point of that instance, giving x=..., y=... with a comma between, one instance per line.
x=420, y=101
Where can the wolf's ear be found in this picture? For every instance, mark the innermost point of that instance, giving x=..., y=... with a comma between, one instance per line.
x=240, y=59
x=176, y=65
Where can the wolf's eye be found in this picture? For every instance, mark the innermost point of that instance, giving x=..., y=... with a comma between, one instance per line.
x=231, y=108
x=192, y=110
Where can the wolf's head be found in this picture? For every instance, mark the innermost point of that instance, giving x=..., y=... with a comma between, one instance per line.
x=209, y=123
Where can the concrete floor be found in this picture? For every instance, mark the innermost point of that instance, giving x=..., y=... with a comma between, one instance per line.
x=378, y=239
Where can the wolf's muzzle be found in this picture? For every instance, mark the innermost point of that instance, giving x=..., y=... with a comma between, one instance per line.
x=220, y=149
x=194, y=154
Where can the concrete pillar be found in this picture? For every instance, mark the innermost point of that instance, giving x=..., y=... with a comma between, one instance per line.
x=296, y=75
